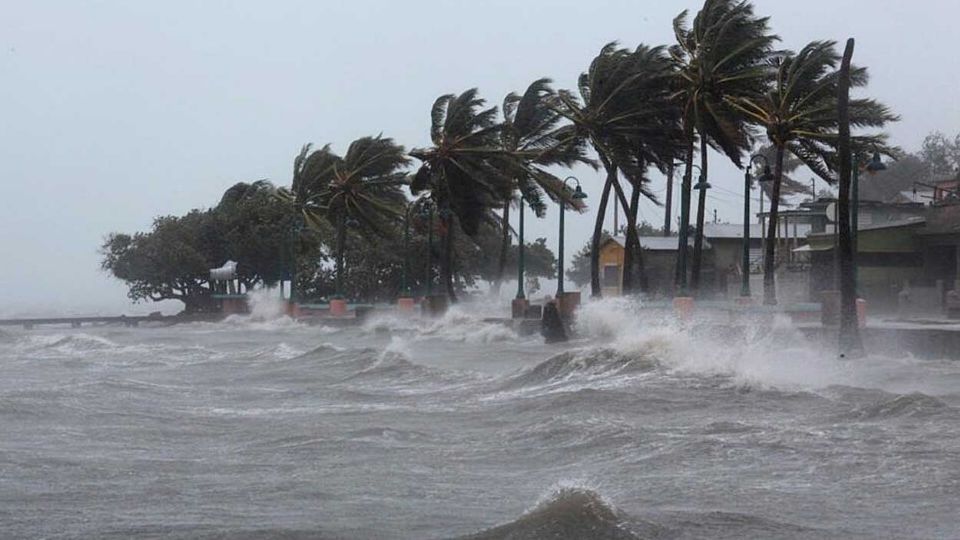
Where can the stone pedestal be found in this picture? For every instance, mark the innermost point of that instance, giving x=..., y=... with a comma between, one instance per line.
x=518, y=308
x=338, y=307
x=683, y=307
x=406, y=304
x=434, y=305
x=567, y=304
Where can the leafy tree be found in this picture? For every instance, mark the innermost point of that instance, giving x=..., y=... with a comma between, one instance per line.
x=171, y=262
x=798, y=113
x=942, y=155
x=533, y=131
x=466, y=172
x=362, y=188
x=625, y=112
x=720, y=56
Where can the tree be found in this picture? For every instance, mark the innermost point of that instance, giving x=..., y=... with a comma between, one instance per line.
x=942, y=155
x=168, y=263
x=625, y=112
x=533, y=131
x=361, y=189
x=798, y=115
x=466, y=172
x=720, y=56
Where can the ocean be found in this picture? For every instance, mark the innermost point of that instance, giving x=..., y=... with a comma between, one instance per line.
x=262, y=427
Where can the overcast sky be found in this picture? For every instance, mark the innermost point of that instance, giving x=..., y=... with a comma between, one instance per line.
x=116, y=112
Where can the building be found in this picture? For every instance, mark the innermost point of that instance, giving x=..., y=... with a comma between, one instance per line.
x=659, y=262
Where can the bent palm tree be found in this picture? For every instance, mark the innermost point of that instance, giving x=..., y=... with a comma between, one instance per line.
x=799, y=115
x=721, y=55
x=362, y=188
x=532, y=130
x=466, y=171
x=625, y=112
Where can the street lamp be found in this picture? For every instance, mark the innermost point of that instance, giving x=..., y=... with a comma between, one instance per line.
x=702, y=186
x=404, y=285
x=426, y=212
x=685, y=234
x=874, y=165
x=747, y=185
x=578, y=195
x=520, y=268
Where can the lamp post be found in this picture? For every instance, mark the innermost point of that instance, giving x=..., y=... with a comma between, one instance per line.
x=520, y=268
x=426, y=211
x=875, y=164
x=702, y=186
x=295, y=231
x=745, y=256
x=578, y=194
x=684, y=238
x=404, y=285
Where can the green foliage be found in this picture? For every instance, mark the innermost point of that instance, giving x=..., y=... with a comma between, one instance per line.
x=941, y=155
x=798, y=111
x=172, y=261
x=466, y=170
x=722, y=55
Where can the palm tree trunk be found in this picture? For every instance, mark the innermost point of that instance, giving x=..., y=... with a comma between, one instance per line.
x=701, y=209
x=638, y=249
x=681, y=268
x=597, y=234
x=504, y=248
x=446, y=266
x=769, y=262
x=850, y=342
x=631, y=254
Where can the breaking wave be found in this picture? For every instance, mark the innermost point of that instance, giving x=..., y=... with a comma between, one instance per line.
x=571, y=512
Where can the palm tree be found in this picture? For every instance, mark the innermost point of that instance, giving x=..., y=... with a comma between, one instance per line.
x=625, y=112
x=721, y=55
x=466, y=171
x=362, y=189
x=533, y=131
x=799, y=115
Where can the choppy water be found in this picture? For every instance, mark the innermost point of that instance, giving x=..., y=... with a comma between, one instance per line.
x=458, y=428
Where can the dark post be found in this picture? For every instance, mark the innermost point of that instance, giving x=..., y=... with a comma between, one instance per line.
x=850, y=341
x=341, y=242
x=560, y=253
x=520, y=268
x=429, y=250
x=745, y=256
x=668, y=206
x=702, y=186
x=404, y=287
x=855, y=217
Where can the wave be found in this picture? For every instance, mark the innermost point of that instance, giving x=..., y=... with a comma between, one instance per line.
x=582, y=364
x=68, y=345
x=456, y=324
x=912, y=405
x=569, y=513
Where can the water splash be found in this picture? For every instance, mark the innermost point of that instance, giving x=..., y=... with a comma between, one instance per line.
x=266, y=304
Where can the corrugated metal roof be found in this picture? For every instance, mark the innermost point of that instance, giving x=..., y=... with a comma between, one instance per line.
x=735, y=230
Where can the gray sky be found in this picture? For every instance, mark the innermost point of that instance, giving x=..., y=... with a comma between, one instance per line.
x=116, y=112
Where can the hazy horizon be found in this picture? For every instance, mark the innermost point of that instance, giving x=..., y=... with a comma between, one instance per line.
x=121, y=112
